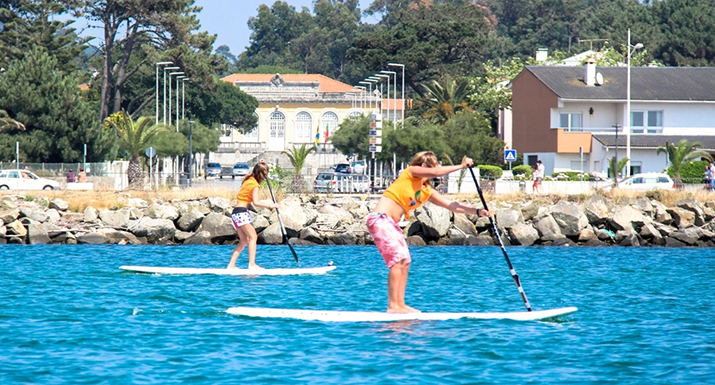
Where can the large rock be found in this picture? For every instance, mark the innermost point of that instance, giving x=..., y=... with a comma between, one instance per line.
x=586, y=235
x=293, y=216
x=8, y=216
x=508, y=218
x=456, y=237
x=547, y=228
x=344, y=238
x=415, y=240
x=689, y=236
x=271, y=235
x=53, y=215
x=569, y=218
x=627, y=218
x=117, y=236
x=309, y=234
x=597, y=209
x=7, y=204
x=645, y=206
x=219, y=205
x=16, y=228
x=693, y=205
x=119, y=218
x=58, y=204
x=190, y=220
x=259, y=222
x=661, y=214
x=464, y=225
x=650, y=233
x=435, y=220
x=482, y=224
x=479, y=240
x=199, y=238
x=326, y=221
x=39, y=216
x=219, y=226
x=154, y=230
x=682, y=218
x=523, y=234
x=37, y=235
x=90, y=215
x=156, y=211
x=92, y=238
x=344, y=217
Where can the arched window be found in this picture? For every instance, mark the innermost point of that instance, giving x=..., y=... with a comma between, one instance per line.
x=303, y=125
x=253, y=133
x=356, y=114
x=277, y=125
x=329, y=123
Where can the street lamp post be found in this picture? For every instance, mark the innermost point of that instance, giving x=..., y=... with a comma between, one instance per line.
x=372, y=82
x=617, y=126
x=362, y=97
x=191, y=150
x=631, y=49
x=367, y=93
x=156, y=96
x=403, y=89
x=394, y=93
x=170, y=75
x=183, y=93
x=164, y=105
x=382, y=76
x=177, y=100
x=176, y=158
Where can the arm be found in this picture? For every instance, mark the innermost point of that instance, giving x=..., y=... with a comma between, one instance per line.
x=433, y=172
x=457, y=207
x=262, y=203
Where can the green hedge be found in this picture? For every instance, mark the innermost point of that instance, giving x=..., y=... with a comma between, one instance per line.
x=489, y=172
x=523, y=169
x=692, y=172
x=571, y=176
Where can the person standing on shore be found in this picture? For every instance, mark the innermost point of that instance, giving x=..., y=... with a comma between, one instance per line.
x=409, y=191
x=249, y=193
x=539, y=177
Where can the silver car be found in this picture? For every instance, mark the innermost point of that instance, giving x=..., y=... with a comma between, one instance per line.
x=341, y=183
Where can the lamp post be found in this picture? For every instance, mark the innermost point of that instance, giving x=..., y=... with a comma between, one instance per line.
x=191, y=150
x=164, y=105
x=394, y=93
x=170, y=75
x=372, y=82
x=177, y=100
x=382, y=76
x=631, y=49
x=183, y=93
x=403, y=90
x=156, y=92
x=367, y=94
x=362, y=97
x=176, y=160
x=617, y=126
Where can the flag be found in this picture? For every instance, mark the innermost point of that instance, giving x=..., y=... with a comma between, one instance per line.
x=317, y=136
x=326, y=134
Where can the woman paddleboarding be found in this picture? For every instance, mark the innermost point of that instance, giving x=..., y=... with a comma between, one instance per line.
x=408, y=192
x=250, y=193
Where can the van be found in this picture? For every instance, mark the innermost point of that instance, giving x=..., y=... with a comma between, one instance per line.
x=341, y=183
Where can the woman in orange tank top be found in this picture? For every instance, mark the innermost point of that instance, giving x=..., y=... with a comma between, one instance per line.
x=409, y=191
x=249, y=193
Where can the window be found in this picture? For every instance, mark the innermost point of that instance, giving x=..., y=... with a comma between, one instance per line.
x=277, y=125
x=571, y=122
x=303, y=125
x=226, y=130
x=356, y=114
x=329, y=124
x=648, y=122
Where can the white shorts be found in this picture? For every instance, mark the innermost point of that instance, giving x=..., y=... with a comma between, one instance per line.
x=240, y=217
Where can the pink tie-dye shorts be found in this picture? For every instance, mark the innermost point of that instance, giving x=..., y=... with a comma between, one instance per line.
x=388, y=238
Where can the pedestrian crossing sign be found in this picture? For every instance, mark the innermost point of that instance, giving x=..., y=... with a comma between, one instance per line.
x=510, y=155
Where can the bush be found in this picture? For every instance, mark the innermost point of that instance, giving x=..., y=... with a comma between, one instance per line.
x=573, y=176
x=490, y=172
x=692, y=172
x=523, y=169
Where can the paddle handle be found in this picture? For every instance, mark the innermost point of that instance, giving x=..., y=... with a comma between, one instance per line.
x=513, y=273
x=280, y=220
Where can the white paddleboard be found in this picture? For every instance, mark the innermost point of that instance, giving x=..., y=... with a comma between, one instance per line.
x=189, y=270
x=369, y=316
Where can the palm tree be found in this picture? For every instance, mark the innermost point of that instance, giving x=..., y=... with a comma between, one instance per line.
x=680, y=155
x=134, y=138
x=445, y=99
x=297, y=156
x=612, y=166
x=6, y=122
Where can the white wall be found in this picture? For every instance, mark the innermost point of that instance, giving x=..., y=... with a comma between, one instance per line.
x=605, y=114
x=548, y=159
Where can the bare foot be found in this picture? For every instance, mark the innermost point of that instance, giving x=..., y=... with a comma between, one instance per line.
x=410, y=309
x=397, y=310
x=232, y=267
x=254, y=266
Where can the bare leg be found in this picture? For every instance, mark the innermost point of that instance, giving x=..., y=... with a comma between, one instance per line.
x=396, y=282
x=252, y=239
x=239, y=248
x=403, y=285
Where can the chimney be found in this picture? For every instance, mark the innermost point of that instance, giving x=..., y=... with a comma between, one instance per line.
x=542, y=54
x=589, y=76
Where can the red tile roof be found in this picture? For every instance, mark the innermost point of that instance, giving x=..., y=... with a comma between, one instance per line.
x=326, y=84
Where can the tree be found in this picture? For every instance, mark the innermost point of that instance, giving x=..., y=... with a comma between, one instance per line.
x=612, y=166
x=223, y=103
x=6, y=122
x=134, y=138
x=681, y=154
x=686, y=32
x=442, y=100
x=298, y=156
x=57, y=117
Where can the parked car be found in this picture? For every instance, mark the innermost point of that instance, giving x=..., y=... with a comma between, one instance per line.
x=341, y=167
x=240, y=169
x=340, y=182
x=25, y=180
x=647, y=181
x=213, y=169
x=358, y=166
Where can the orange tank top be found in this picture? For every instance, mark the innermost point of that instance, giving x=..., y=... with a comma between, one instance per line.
x=245, y=195
x=408, y=191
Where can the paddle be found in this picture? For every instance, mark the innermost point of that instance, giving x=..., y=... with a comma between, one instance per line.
x=501, y=244
x=280, y=220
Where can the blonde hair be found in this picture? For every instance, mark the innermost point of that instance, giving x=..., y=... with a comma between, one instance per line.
x=260, y=172
x=426, y=157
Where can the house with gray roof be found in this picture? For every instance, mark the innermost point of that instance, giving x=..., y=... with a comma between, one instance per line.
x=568, y=116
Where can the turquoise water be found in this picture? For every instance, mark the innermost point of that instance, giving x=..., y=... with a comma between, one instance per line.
x=68, y=315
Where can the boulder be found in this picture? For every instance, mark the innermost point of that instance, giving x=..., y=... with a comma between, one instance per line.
x=219, y=226
x=689, y=236
x=58, y=204
x=464, y=225
x=190, y=220
x=7, y=204
x=271, y=235
x=664, y=230
x=563, y=242
x=16, y=228
x=39, y=216
x=119, y=218
x=569, y=218
x=435, y=220
x=630, y=239
x=136, y=202
x=53, y=214
x=483, y=223
x=3, y=231
x=644, y=205
x=199, y=238
x=595, y=242
x=456, y=237
x=65, y=237
x=181, y=236
x=586, y=235
x=415, y=240
x=293, y=216
x=649, y=232
x=37, y=235
x=259, y=222
x=156, y=211
x=90, y=215
x=508, y=218
x=326, y=221
x=10, y=215
x=682, y=218
x=523, y=234
x=358, y=211
x=219, y=205
x=479, y=240
x=693, y=205
x=531, y=210
x=309, y=234
x=661, y=213
x=117, y=236
x=154, y=230
x=343, y=217
x=597, y=209
x=627, y=218
x=92, y=239
x=344, y=238
x=547, y=228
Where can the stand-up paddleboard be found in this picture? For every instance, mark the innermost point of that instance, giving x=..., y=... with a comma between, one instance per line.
x=369, y=316
x=189, y=270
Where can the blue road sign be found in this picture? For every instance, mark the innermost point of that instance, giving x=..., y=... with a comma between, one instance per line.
x=510, y=155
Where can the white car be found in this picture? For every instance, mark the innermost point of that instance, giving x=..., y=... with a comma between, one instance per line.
x=25, y=180
x=648, y=181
